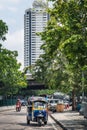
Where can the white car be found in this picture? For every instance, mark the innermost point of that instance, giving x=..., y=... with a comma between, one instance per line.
x=52, y=103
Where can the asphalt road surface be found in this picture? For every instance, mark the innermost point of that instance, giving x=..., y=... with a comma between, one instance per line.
x=12, y=120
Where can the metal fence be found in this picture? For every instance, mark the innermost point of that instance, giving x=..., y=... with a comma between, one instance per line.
x=7, y=102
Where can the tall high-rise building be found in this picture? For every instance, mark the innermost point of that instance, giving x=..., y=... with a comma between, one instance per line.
x=35, y=19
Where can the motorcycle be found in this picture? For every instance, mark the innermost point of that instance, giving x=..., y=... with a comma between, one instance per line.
x=18, y=108
x=18, y=105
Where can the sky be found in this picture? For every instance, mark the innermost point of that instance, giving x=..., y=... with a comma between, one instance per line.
x=12, y=13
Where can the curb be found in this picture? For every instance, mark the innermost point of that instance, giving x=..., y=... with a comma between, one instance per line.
x=59, y=123
x=6, y=108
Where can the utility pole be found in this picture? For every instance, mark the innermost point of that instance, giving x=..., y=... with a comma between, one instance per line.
x=82, y=86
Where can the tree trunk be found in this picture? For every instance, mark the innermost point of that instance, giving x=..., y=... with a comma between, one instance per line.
x=73, y=100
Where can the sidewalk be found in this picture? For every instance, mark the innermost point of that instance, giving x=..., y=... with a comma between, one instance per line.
x=6, y=108
x=70, y=120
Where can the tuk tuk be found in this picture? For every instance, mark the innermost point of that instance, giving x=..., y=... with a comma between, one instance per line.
x=37, y=110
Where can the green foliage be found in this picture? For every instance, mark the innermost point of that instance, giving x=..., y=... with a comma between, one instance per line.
x=10, y=75
x=3, y=30
x=46, y=92
x=11, y=78
x=65, y=46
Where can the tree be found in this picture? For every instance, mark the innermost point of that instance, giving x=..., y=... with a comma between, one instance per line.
x=3, y=30
x=11, y=78
x=73, y=44
x=66, y=34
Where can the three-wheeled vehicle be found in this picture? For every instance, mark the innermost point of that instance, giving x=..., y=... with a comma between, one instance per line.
x=37, y=110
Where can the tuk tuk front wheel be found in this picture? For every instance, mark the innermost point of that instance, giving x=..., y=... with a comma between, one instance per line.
x=28, y=121
x=40, y=122
x=45, y=122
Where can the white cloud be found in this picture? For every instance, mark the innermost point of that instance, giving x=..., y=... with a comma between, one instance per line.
x=15, y=37
x=12, y=21
x=13, y=9
x=12, y=1
x=10, y=6
x=15, y=41
x=5, y=4
x=1, y=7
x=12, y=12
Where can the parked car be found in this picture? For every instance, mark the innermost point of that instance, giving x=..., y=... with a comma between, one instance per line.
x=23, y=102
x=52, y=103
x=66, y=103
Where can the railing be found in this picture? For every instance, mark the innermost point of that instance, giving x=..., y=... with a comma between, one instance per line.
x=7, y=102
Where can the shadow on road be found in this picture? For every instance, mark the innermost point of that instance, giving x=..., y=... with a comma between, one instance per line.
x=35, y=126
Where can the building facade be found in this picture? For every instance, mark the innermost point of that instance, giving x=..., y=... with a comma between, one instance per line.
x=35, y=20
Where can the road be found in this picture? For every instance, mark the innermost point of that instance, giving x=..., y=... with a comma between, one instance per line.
x=12, y=120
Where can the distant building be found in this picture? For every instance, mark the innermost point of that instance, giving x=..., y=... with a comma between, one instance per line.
x=35, y=19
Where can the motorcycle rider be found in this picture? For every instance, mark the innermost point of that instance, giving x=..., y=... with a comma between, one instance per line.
x=18, y=105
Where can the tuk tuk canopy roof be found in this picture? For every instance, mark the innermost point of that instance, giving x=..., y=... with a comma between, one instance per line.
x=33, y=99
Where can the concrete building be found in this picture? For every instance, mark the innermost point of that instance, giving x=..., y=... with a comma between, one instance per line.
x=35, y=19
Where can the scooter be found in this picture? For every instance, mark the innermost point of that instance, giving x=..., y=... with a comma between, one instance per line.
x=18, y=108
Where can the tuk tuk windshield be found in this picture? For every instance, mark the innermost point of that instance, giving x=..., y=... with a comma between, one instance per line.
x=40, y=105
